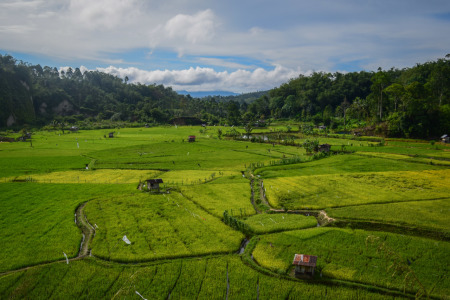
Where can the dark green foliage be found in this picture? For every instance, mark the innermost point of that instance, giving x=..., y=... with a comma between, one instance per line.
x=236, y=223
x=412, y=102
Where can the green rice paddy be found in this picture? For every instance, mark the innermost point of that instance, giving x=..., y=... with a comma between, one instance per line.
x=179, y=246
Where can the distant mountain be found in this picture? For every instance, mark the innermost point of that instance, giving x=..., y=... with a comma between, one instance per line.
x=207, y=93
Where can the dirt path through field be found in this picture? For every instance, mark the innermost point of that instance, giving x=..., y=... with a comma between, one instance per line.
x=86, y=228
x=88, y=233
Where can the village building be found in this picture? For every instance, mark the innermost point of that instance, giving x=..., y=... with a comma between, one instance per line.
x=153, y=184
x=445, y=138
x=73, y=128
x=304, y=264
x=191, y=138
x=325, y=148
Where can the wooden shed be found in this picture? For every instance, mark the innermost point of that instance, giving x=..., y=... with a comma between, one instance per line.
x=324, y=148
x=445, y=138
x=191, y=138
x=153, y=184
x=111, y=134
x=304, y=264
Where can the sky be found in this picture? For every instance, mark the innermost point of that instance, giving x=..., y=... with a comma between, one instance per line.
x=211, y=45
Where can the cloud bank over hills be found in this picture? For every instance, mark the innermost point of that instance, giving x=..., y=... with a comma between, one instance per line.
x=227, y=45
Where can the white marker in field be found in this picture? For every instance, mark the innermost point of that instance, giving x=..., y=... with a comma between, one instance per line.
x=126, y=240
x=67, y=259
x=137, y=293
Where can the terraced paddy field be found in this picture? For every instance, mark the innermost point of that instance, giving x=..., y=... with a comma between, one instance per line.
x=338, y=190
x=350, y=255
x=68, y=232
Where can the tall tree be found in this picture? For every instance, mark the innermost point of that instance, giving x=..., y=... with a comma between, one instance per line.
x=379, y=81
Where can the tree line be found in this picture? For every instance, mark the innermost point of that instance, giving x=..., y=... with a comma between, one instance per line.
x=411, y=102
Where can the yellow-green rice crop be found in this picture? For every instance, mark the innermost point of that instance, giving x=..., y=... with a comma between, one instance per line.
x=37, y=221
x=158, y=226
x=356, y=188
x=95, y=176
x=228, y=193
x=431, y=214
x=224, y=277
x=347, y=255
x=187, y=177
x=428, y=160
x=266, y=223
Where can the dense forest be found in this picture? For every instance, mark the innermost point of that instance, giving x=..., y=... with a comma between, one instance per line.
x=411, y=102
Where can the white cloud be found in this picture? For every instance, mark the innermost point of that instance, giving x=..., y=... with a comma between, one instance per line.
x=207, y=79
x=103, y=14
x=313, y=35
x=192, y=28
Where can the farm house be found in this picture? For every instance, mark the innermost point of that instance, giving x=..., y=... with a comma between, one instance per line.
x=304, y=264
x=153, y=184
x=191, y=138
x=324, y=148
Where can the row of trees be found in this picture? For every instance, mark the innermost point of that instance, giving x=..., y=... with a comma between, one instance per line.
x=412, y=102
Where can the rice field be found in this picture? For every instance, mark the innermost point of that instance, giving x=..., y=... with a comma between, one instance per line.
x=268, y=223
x=102, y=176
x=38, y=221
x=158, y=227
x=175, y=245
x=347, y=255
x=338, y=190
x=200, y=278
x=431, y=215
x=228, y=193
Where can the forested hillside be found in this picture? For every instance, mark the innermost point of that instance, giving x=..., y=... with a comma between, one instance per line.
x=412, y=102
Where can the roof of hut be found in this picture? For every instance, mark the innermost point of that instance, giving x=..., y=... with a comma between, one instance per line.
x=305, y=260
x=152, y=181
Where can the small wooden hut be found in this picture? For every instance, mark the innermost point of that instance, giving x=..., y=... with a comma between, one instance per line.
x=191, y=138
x=445, y=138
x=153, y=184
x=324, y=148
x=111, y=134
x=304, y=264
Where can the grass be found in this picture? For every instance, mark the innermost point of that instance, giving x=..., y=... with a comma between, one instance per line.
x=346, y=255
x=37, y=221
x=203, y=278
x=267, y=223
x=227, y=193
x=338, y=190
x=431, y=215
x=342, y=164
x=88, y=176
x=181, y=238
x=158, y=226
